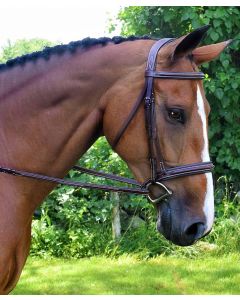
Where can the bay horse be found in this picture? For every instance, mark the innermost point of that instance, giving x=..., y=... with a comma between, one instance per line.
x=54, y=104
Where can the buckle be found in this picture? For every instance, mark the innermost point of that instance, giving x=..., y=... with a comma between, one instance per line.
x=167, y=193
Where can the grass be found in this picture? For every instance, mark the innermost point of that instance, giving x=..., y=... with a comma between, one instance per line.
x=128, y=275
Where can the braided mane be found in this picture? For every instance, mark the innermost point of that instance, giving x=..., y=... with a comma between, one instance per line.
x=71, y=47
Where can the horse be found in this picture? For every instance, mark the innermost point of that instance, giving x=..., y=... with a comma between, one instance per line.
x=55, y=103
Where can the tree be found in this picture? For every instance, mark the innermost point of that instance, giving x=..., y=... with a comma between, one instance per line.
x=21, y=47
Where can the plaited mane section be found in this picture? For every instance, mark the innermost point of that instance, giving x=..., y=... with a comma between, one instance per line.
x=71, y=47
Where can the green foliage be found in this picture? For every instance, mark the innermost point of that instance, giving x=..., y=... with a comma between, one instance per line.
x=74, y=227
x=81, y=219
x=222, y=85
x=227, y=224
x=21, y=47
x=72, y=224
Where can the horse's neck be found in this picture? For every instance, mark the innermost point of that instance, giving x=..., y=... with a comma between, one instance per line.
x=50, y=111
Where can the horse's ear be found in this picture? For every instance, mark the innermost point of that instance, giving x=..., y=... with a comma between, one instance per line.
x=189, y=42
x=209, y=52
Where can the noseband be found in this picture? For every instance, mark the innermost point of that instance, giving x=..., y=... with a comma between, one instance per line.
x=159, y=171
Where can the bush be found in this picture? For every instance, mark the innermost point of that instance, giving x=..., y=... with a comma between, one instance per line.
x=71, y=226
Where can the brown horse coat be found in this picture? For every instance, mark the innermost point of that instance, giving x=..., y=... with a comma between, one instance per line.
x=52, y=110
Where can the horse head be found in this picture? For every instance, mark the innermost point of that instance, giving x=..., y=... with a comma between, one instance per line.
x=181, y=116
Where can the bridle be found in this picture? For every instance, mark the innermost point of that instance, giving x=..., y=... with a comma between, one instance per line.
x=159, y=171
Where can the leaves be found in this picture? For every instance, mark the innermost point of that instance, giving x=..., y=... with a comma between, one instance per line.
x=216, y=22
x=235, y=85
x=214, y=36
x=23, y=47
x=219, y=93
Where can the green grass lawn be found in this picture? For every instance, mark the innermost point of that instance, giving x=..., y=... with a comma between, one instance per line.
x=128, y=275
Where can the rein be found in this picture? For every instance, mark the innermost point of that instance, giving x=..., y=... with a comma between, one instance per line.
x=159, y=172
x=107, y=188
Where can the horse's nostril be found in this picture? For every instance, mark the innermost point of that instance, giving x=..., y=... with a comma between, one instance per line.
x=192, y=229
x=195, y=231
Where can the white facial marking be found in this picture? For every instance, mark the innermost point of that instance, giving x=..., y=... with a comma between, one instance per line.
x=209, y=196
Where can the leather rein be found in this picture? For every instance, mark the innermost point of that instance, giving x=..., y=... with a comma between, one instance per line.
x=159, y=172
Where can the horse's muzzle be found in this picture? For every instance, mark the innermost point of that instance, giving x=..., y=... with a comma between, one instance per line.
x=179, y=228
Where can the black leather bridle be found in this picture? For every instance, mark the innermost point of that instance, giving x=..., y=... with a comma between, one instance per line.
x=159, y=171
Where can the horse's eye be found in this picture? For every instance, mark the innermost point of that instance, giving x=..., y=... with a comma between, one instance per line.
x=176, y=114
